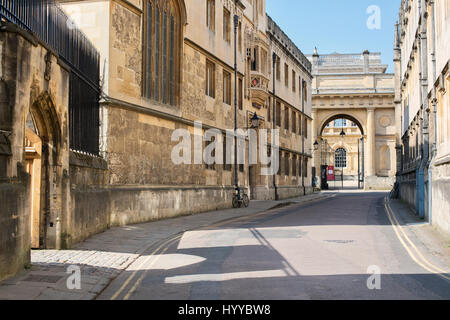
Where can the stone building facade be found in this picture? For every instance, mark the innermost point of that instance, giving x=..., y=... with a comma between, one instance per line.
x=34, y=100
x=290, y=80
x=138, y=128
x=353, y=93
x=67, y=174
x=422, y=53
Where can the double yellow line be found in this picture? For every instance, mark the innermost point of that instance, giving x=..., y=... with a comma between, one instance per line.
x=160, y=250
x=412, y=250
x=163, y=247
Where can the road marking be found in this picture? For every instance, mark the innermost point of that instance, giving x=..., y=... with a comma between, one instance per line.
x=420, y=260
x=118, y=292
x=410, y=242
x=138, y=282
x=165, y=246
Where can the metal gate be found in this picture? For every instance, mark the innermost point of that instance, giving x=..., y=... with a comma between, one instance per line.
x=361, y=163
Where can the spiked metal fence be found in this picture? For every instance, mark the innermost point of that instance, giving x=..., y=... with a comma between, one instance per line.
x=48, y=22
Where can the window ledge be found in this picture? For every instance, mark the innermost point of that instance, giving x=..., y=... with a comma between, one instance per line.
x=443, y=160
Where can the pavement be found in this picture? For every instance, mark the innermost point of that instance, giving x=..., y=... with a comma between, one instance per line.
x=103, y=257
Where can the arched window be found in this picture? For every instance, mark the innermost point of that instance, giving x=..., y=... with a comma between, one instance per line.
x=162, y=54
x=340, y=158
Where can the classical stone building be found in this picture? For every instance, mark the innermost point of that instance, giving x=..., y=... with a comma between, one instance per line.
x=352, y=93
x=87, y=126
x=422, y=53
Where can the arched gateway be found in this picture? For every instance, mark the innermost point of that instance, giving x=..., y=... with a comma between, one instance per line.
x=340, y=144
x=42, y=161
x=355, y=87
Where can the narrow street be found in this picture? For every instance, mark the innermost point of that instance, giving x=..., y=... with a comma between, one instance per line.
x=318, y=250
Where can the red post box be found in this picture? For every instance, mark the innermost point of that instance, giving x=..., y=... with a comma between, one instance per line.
x=330, y=173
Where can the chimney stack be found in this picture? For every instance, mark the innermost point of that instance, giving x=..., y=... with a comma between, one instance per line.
x=366, y=54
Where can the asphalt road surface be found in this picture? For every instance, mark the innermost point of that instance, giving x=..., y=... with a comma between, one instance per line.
x=329, y=249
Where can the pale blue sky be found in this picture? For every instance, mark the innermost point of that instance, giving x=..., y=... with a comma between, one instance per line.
x=337, y=25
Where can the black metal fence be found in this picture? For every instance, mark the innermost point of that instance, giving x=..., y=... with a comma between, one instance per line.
x=50, y=24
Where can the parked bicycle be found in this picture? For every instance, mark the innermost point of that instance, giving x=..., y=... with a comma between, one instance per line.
x=240, y=198
x=394, y=192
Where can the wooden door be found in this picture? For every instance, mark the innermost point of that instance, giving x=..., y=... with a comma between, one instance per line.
x=33, y=161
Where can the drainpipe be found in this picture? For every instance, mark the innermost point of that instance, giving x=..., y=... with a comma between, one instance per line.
x=274, y=61
x=425, y=109
x=431, y=162
x=303, y=136
x=398, y=105
x=434, y=102
x=236, y=172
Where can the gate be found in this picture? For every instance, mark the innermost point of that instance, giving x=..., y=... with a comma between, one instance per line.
x=361, y=163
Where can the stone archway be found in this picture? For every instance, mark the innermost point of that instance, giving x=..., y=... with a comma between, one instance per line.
x=337, y=116
x=43, y=164
x=329, y=140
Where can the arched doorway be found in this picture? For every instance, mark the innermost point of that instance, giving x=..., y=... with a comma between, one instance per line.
x=42, y=145
x=340, y=143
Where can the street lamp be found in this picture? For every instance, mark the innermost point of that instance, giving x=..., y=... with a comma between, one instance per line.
x=240, y=196
x=342, y=154
x=255, y=121
x=316, y=146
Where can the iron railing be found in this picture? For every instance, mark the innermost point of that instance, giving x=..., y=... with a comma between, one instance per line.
x=46, y=20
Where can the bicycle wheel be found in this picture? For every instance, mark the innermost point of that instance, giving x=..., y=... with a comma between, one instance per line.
x=235, y=202
x=246, y=201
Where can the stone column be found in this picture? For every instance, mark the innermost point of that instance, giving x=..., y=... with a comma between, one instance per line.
x=370, y=142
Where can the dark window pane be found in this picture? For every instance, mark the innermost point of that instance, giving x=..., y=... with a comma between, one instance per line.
x=164, y=59
x=171, y=62
x=148, y=80
x=157, y=51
